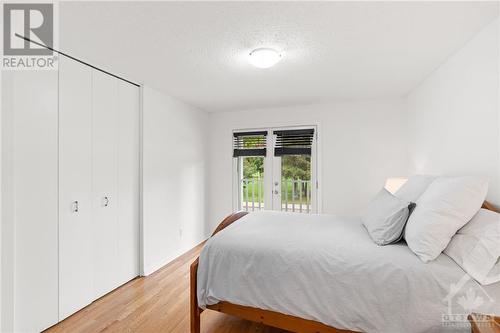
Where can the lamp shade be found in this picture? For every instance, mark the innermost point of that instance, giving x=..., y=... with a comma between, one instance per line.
x=393, y=184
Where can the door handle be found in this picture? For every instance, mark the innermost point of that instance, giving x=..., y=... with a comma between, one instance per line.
x=75, y=206
x=106, y=202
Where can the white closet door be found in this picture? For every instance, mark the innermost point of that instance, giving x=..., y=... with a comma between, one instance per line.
x=128, y=181
x=75, y=229
x=34, y=108
x=105, y=182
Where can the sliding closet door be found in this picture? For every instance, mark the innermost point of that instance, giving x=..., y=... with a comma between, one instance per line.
x=104, y=182
x=128, y=181
x=75, y=231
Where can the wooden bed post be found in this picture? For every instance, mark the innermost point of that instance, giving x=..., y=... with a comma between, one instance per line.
x=487, y=205
x=195, y=310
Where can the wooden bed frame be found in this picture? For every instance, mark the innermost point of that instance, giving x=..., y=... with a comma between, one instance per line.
x=271, y=318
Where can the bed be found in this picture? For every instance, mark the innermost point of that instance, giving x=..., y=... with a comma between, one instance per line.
x=322, y=273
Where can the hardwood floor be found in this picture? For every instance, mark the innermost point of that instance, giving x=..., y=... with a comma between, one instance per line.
x=157, y=303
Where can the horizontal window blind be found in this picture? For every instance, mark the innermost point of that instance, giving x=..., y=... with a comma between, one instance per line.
x=293, y=142
x=249, y=143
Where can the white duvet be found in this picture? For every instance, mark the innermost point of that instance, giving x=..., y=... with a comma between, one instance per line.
x=327, y=269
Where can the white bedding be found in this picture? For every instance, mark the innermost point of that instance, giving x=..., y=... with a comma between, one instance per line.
x=327, y=269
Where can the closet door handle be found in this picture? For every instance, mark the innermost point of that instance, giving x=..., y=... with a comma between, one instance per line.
x=75, y=206
x=106, y=202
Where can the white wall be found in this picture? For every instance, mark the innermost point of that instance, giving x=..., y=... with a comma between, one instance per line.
x=360, y=145
x=174, y=178
x=454, y=114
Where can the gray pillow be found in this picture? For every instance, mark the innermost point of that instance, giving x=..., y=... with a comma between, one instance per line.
x=386, y=217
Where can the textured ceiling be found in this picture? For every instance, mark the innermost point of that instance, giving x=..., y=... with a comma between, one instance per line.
x=197, y=51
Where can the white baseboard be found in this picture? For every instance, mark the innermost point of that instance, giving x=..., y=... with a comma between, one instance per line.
x=149, y=269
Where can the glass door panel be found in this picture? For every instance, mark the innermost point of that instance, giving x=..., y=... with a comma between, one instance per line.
x=296, y=183
x=252, y=183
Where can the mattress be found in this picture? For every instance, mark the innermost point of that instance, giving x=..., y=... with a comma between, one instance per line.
x=326, y=268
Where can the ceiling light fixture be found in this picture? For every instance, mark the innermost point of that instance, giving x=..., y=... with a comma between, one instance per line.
x=264, y=57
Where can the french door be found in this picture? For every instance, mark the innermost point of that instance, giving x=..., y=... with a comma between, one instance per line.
x=275, y=169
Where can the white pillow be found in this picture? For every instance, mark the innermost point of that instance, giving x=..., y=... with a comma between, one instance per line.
x=476, y=247
x=385, y=218
x=414, y=187
x=446, y=206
